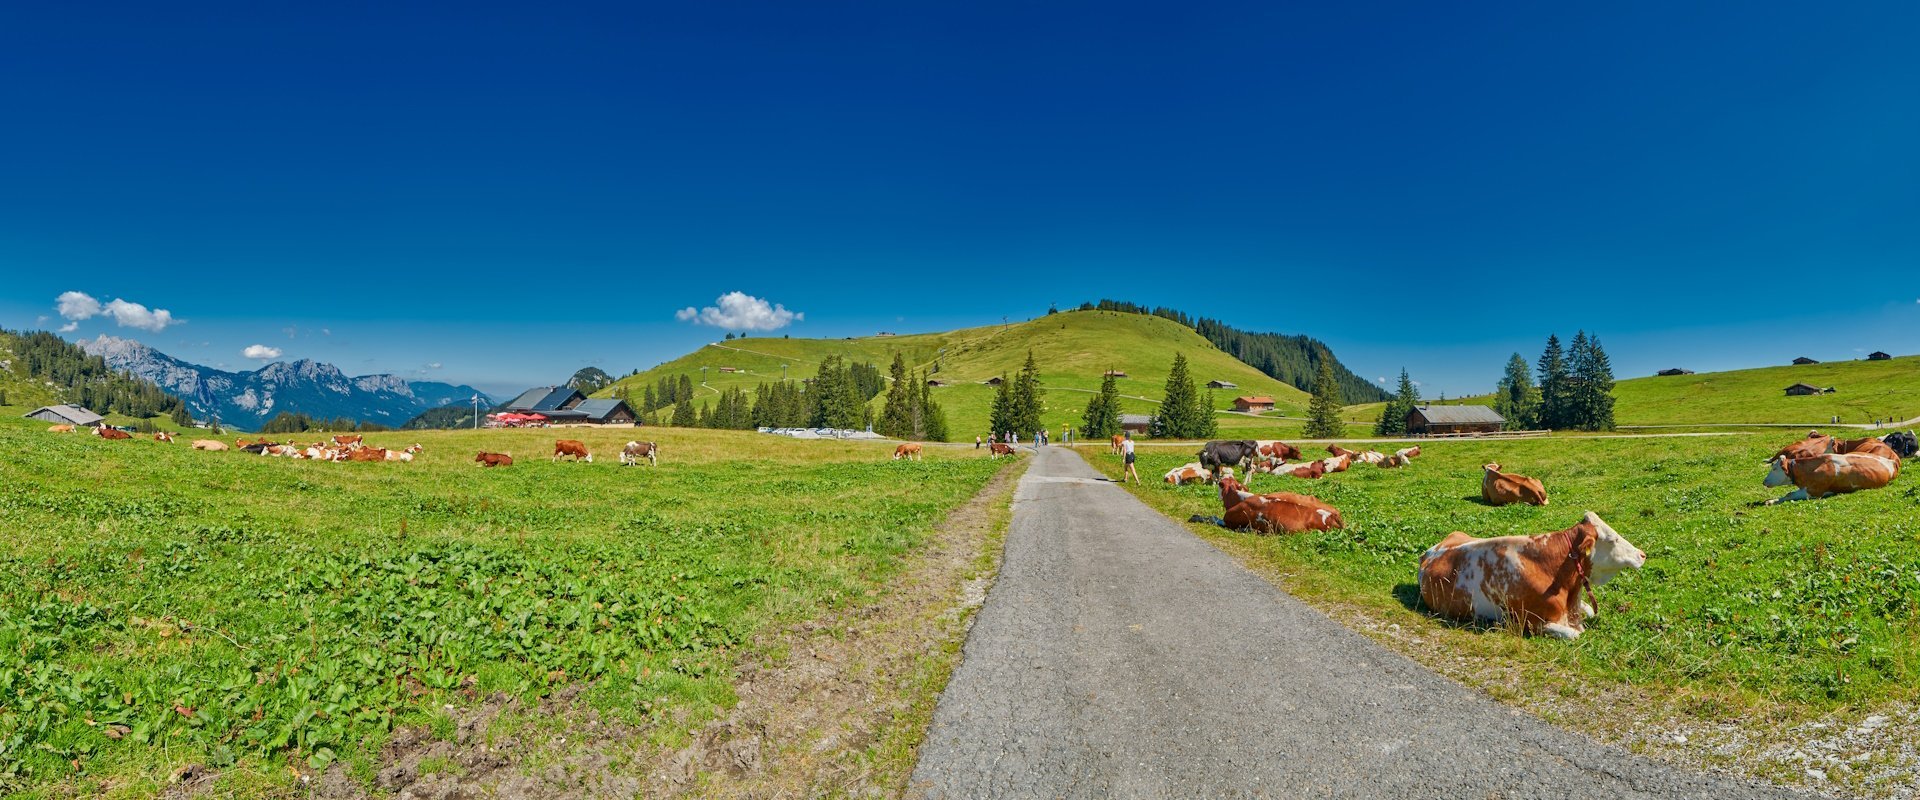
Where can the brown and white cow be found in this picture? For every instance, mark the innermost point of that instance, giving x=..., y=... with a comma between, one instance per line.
x=1278, y=449
x=1189, y=472
x=571, y=447
x=998, y=449
x=162, y=436
x=1337, y=450
x=59, y=428
x=1337, y=463
x=105, y=432
x=1816, y=444
x=634, y=451
x=1279, y=512
x=366, y=454
x=1534, y=581
x=405, y=454
x=487, y=459
x=1505, y=488
x=1831, y=474
x=209, y=445
x=1869, y=446
x=1312, y=470
x=1115, y=444
x=1370, y=457
x=1401, y=457
x=349, y=440
x=281, y=450
x=907, y=450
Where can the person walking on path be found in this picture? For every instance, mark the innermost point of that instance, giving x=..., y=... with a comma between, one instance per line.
x=1126, y=450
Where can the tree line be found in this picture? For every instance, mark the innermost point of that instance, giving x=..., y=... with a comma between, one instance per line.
x=1184, y=413
x=86, y=380
x=839, y=395
x=1292, y=359
x=1570, y=389
x=295, y=422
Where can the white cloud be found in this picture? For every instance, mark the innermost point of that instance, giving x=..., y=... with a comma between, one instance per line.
x=40, y=320
x=739, y=311
x=434, y=365
x=77, y=306
x=326, y=331
x=290, y=331
x=261, y=352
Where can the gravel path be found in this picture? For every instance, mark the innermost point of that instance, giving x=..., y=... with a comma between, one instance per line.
x=1118, y=655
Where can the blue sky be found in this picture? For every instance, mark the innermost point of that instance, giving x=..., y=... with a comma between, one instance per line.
x=511, y=193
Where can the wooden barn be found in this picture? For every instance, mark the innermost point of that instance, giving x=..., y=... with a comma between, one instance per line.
x=1803, y=361
x=1432, y=420
x=1137, y=424
x=1222, y=385
x=609, y=411
x=1254, y=405
x=64, y=414
x=1804, y=389
x=1674, y=371
x=1878, y=356
x=995, y=380
x=1114, y=373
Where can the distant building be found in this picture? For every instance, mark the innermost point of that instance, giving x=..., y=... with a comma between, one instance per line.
x=1114, y=373
x=1138, y=424
x=1431, y=420
x=936, y=382
x=1803, y=361
x=1878, y=356
x=729, y=369
x=995, y=380
x=1675, y=371
x=1222, y=385
x=884, y=333
x=64, y=414
x=1802, y=389
x=608, y=411
x=545, y=400
x=1254, y=405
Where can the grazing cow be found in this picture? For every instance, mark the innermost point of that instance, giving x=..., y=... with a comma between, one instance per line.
x=1118, y=441
x=1868, y=446
x=1816, y=444
x=487, y=459
x=1834, y=473
x=1906, y=444
x=1535, y=581
x=59, y=428
x=162, y=436
x=571, y=447
x=1228, y=454
x=105, y=432
x=1505, y=488
x=209, y=445
x=907, y=450
x=349, y=440
x=1278, y=449
x=1187, y=473
x=634, y=451
x=1279, y=512
x=998, y=449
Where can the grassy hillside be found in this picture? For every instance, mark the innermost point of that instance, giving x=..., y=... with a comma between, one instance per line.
x=1867, y=391
x=161, y=606
x=1073, y=349
x=21, y=393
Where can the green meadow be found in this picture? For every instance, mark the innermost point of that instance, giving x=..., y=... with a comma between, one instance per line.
x=161, y=606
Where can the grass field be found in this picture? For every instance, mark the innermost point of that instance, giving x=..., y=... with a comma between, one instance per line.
x=1790, y=610
x=160, y=606
x=1073, y=349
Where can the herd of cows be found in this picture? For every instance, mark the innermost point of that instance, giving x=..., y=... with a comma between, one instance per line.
x=1541, y=583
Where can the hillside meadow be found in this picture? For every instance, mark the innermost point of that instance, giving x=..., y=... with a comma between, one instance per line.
x=1775, y=613
x=1073, y=349
x=269, y=617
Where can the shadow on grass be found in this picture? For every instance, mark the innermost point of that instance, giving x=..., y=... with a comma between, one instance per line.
x=1409, y=595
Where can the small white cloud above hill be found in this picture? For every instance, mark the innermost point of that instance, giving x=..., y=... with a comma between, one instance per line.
x=77, y=306
x=739, y=311
x=261, y=352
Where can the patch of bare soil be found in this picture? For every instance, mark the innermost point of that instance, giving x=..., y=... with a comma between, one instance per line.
x=839, y=713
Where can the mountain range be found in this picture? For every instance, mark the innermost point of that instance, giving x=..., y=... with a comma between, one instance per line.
x=246, y=400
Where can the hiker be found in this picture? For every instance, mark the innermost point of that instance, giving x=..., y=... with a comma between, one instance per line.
x=976, y=441
x=1126, y=450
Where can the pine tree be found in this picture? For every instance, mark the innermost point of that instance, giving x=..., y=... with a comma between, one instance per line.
x=1023, y=402
x=1552, y=369
x=1393, y=418
x=1593, y=375
x=897, y=417
x=1323, y=413
x=1102, y=417
x=1516, y=398
x=1001, y=419
x=1181, y=415
x=1577, y=398
x=683, y=415
x=685, y=390
x=933, y=420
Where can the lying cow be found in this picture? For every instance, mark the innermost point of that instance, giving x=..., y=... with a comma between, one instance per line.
x=1279, y=512
x=1370, y=457
x=1312, y=470
x=1831, y=474
x=59, y=428
x=209, y=445
x=634, y=451
x=1187, y=473
x=105, y=432
x=487, y=459
x=1278, y=449
x=1505, y=488
x=1228, y=454
x=349, y=440
x=571, y=447
x=1868, y=446
x=907, y=450
x=366, y=454
x=404, y=455
x=1904, y=443
x=1401, y=458
x=1535, y=581
x=162, y=436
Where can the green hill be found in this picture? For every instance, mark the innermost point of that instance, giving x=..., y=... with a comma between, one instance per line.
x=39, y=369
x=1073, y=348
x=1864, y=391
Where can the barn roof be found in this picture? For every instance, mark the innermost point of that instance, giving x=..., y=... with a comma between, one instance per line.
x=543, y=399
x=1807, y=386
x=71, y=413
x=1459, y=415
x=1136, y=419
x=1254, y=400
x=1223, y=384
x=530, y=397
x=600, y=409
